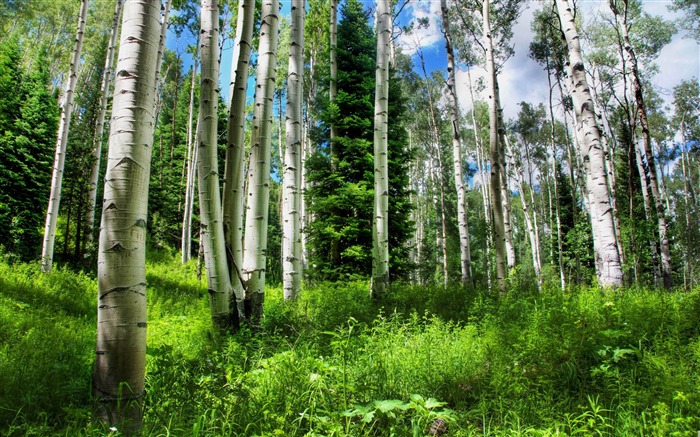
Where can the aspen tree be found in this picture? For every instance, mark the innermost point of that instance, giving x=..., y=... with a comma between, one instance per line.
x=291, y=245
x=211, y=217
x=646, y=149
x=118, y=382
x=233, y=197
x=380, y=234
x=255, y=243
x=99, y=126
x=499, y=229
x=61, y=144
x=462, y=223
x=607, y=258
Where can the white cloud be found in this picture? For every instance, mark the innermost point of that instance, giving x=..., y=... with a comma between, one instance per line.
x=425, y=37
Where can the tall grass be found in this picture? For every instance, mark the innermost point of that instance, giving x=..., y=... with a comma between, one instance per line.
x=584, y=361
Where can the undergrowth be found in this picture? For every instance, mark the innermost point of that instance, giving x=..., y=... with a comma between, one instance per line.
x=336, y=363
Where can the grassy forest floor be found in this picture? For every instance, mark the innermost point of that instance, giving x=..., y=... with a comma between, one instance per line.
x=585, y=361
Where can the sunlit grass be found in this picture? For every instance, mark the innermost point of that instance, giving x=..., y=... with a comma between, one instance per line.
x=584, y=361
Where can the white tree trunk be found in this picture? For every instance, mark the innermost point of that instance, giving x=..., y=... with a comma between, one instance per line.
x=498, y=215
x=233, y=197
x=99, y=126
x=61, y=143
x=291, y=246
x=333, y=85
x=462, y=223
x=607, y=258
x=211, y=216
x=118, y=382
x=255, y=244
x=191, y=171
x=647, y=151
x=380, y=234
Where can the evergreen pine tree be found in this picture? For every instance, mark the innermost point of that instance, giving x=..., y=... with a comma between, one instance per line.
x=341, y=202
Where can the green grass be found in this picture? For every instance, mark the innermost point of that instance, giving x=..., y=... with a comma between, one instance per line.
x=585, y=361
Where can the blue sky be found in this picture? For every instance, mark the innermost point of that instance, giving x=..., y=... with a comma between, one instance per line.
x=521, y=79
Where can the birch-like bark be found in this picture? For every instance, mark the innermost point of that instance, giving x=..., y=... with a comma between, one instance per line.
x=291, y=221
x=255, y=244
x=233, y=197
x=607, y=258
x=211, y=216
x=118, y=381
x=499, y=229
x=380, y=234
x=191, y=169
x=647, y=151
x=61, y=144
x=99, y=125
x=462, y=223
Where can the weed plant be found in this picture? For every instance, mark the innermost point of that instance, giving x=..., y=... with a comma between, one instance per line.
x=584, y=361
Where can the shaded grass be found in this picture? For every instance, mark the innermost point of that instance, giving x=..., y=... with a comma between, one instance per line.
x=585, y=361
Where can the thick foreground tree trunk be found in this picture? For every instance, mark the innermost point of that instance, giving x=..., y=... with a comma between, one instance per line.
x=118, y=382
x=211, y=217
x=233, y=197
x=607, y=258
x=257, y=213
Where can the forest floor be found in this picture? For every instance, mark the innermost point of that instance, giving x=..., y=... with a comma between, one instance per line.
x=584, y=361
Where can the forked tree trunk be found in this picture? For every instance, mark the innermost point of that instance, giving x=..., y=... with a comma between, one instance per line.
x=462, y=223
x=233, y=197
x=255, y=244
x=499, y=228
x=291, y=246
x=380, y=234
x=118, y=381
x=61, y=143
x=99, y=125
x=607, y=258
x=211, y=216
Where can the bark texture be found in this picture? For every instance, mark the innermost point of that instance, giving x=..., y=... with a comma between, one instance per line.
x=380, y=231
x=99, y=126
x=233, y=197
x=220, y=289
x=255, y=244
x=607, y=258
x=118, y=382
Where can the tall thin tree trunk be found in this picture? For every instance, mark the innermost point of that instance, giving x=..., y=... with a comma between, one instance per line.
x=498, y=215
x=99, y=125
x=255, y=244
x=380, y=234
x=191, y=170
x=61, y=144
x=333, y=85
x=607, y=258
x=233, y=197
x=660, y=210
x=120, y=362
x=291, y=256
x=484, y=187
x=211, y=216
x=435, y=140
x=462, y=222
